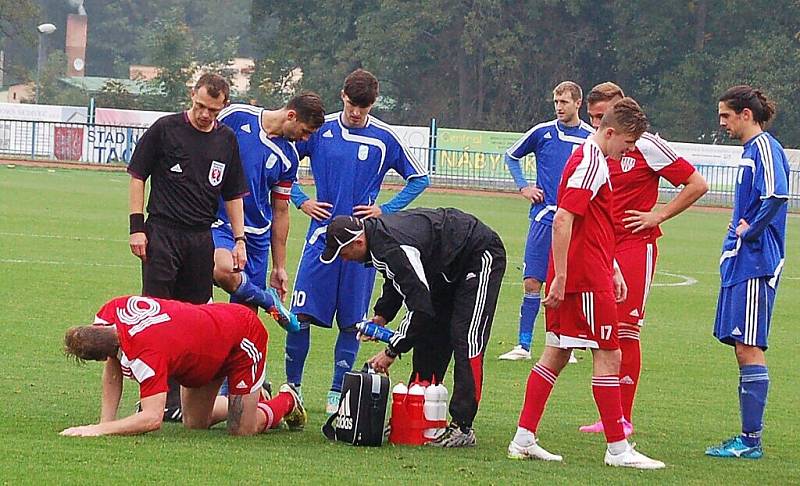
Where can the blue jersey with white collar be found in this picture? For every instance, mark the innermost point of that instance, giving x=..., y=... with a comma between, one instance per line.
x=552, y=143
x=763, y=174
x=349, y=164
x=270, y=165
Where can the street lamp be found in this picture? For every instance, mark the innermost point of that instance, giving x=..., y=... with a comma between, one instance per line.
x=44, y=29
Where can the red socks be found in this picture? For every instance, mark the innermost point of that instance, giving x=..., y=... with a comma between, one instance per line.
x=537, y=391
x=630, y=368
x=274, y=410
x=606, y=395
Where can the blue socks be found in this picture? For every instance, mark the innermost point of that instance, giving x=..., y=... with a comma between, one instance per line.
x=753, y=388
x=344, y=356
x=297, y=344
x=249, y=293
x=527, y=318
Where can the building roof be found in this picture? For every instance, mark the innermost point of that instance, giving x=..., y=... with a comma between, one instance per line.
x=93, y=84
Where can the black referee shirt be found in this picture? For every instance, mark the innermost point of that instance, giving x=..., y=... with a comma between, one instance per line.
x=190, y=170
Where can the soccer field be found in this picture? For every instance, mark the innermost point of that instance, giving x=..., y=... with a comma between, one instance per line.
x=64, y=252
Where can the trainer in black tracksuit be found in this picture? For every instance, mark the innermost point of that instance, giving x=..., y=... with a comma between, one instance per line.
x=447, y=267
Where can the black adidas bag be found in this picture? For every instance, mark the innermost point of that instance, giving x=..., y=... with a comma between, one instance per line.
x=361, y=417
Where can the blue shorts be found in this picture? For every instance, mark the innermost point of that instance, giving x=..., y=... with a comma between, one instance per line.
x=340, y=288
x=537, y=251
x=257, y=252
x=744, y=312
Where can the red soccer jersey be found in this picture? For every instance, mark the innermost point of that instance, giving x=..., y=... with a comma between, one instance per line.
x=635, y=180
x=585, y=191
x=164, y=338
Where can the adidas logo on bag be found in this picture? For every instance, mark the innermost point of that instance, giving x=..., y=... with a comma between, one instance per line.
x=345, y=420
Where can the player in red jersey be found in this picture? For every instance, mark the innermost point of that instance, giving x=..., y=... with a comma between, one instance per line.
x=151, y=340
x=635, y=178
x=582, y=291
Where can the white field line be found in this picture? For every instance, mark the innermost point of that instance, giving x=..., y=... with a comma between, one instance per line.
x=21, y=261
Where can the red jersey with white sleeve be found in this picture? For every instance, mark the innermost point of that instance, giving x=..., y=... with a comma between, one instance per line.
x=635, y=178
x=585, y=191
x=194, y=344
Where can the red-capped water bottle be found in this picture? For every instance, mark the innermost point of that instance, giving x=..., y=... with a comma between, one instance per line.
x=376, y=331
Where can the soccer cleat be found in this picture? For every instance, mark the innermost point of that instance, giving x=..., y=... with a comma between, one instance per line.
x=735, y=447
x=453, y=436
x=281, y=314
x=518, y=353
x=266, y=390
x=332, y=403
x=172, y=414
x=533, y=451
x=297, y=418
x=633, y=459
x=597, y=428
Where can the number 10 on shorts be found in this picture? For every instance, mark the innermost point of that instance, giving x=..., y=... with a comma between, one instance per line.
x=298, y=298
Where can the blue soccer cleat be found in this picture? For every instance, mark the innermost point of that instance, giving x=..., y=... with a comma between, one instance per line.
x=735, y=447
x=281, y=314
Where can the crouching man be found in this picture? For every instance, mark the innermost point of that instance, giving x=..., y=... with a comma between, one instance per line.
x=150, y=340
x=446, y=266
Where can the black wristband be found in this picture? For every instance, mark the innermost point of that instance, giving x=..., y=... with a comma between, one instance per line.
x=388, y=352
x=137, y=223
x=240, y=238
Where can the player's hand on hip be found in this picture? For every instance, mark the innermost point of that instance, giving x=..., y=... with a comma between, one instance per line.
x=81, y=431
x=742, y=227
x=316, y=209
x=620, y=287
x=239, y=256
x=363, y=211
x=532, y=194
x=279, y=280
x=138, y=242
x=640, y=221
x=555, y=292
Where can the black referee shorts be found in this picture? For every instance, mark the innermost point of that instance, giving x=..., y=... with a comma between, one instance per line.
x=180, y=264
x=464, y=314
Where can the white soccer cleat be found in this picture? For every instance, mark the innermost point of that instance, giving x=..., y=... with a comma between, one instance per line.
x=632, y=458
x=572, y=358
x=517, y=354
x=533, y=451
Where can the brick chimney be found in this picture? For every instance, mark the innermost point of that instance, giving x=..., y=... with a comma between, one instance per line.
x=76, y=44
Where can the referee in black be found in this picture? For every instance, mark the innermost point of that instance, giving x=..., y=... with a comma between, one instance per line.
x=447, y=267
x=191, y=161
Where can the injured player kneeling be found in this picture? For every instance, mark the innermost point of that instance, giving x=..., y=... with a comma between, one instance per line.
x=150, y=340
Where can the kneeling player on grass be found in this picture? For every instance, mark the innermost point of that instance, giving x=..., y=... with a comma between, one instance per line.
x=582, y=290
x=151, y=340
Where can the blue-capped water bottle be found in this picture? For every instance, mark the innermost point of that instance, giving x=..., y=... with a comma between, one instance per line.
x=373, y=330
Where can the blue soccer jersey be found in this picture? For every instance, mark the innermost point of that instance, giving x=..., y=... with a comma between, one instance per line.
x=270, y=165
x=349, y=164
x=763, y=174
x=552, y=143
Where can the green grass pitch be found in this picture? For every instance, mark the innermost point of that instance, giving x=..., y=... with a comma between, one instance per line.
x=64, y=252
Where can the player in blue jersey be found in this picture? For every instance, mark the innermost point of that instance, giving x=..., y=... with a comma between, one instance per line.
x=752, y=258
x=269, y=157
x=350, y=155
x=552, y=143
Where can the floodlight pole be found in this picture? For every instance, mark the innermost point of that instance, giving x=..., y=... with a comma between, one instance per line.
x=44, y=30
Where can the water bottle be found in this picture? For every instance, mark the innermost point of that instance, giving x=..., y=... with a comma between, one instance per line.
x=431, y=409
x=441, y=403
x=369, y=328
x=416, y=414
x=399, y=421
